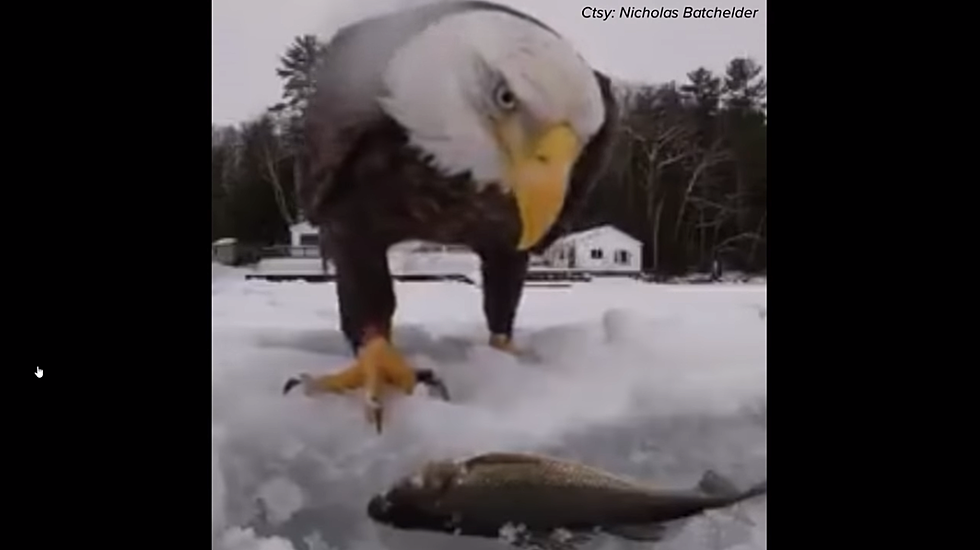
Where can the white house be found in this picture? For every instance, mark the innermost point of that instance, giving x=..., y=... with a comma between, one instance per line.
x=224, y=250
x=603, y=248
x=304, y=240
x=303, y=234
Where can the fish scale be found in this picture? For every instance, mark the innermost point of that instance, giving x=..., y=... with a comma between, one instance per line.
x=553, y=473
x=485, y=495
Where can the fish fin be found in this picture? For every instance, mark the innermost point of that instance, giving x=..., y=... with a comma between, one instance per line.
x=552, y=541
x=756, y=490
x=714, y=484
x=648, y=532
x=740, y=516
x=673, y=528
x=734, y=499
x=545, y=544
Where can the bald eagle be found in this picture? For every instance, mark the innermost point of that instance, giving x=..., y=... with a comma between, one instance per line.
x=464, y=123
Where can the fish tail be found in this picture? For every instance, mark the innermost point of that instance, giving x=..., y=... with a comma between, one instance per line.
x=725, y=492
x=754, y=491
x=751, y=492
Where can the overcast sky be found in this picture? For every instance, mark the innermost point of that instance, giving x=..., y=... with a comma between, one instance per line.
x=248, y=36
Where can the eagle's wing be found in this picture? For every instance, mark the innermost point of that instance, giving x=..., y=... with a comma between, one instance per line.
x=590, y=166
x=343, y=106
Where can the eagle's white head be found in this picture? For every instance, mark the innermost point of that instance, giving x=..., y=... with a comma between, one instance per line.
x=502, y=98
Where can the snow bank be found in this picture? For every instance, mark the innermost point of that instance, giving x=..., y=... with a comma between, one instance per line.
x=656, y=381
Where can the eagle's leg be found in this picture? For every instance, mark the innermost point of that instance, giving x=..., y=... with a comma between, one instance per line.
x=503, y=283
x=367, y=304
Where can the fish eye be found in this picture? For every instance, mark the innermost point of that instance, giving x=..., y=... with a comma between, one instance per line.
x=504, y=97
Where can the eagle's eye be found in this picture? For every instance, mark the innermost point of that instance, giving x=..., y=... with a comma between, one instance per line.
x=505, y=98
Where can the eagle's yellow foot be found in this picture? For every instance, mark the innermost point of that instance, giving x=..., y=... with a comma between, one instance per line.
x=378, y=365
x=382, y=365
x=504, y=343
x=348, y=379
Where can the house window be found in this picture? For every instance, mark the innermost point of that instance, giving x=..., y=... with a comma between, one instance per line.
x=596, y=253
x=622, y=257
x=308, y=240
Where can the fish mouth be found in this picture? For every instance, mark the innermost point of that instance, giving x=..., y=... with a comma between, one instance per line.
x=389, y=510
x=378, y=509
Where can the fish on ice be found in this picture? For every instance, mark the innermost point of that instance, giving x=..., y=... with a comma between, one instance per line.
x=538, y=501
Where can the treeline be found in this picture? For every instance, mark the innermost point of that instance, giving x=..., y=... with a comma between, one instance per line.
x=253, y=165
x=688, y=175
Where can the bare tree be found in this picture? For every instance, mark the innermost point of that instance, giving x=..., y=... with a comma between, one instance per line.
x=272, y=155
x=661, y=139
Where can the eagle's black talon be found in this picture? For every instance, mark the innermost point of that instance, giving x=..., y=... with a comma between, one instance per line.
x=429, y=378
x=290, y=384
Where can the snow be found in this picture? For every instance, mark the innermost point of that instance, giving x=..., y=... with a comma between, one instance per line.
x=657, y=382
x=289, y=266
x=600, y=232
x=400, y=263
x=435, y=263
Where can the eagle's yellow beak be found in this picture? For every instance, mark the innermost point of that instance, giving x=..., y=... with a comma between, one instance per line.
x=538, y=167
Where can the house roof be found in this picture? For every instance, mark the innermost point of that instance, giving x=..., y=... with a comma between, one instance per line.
x=595, y=232
x=302, y=227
